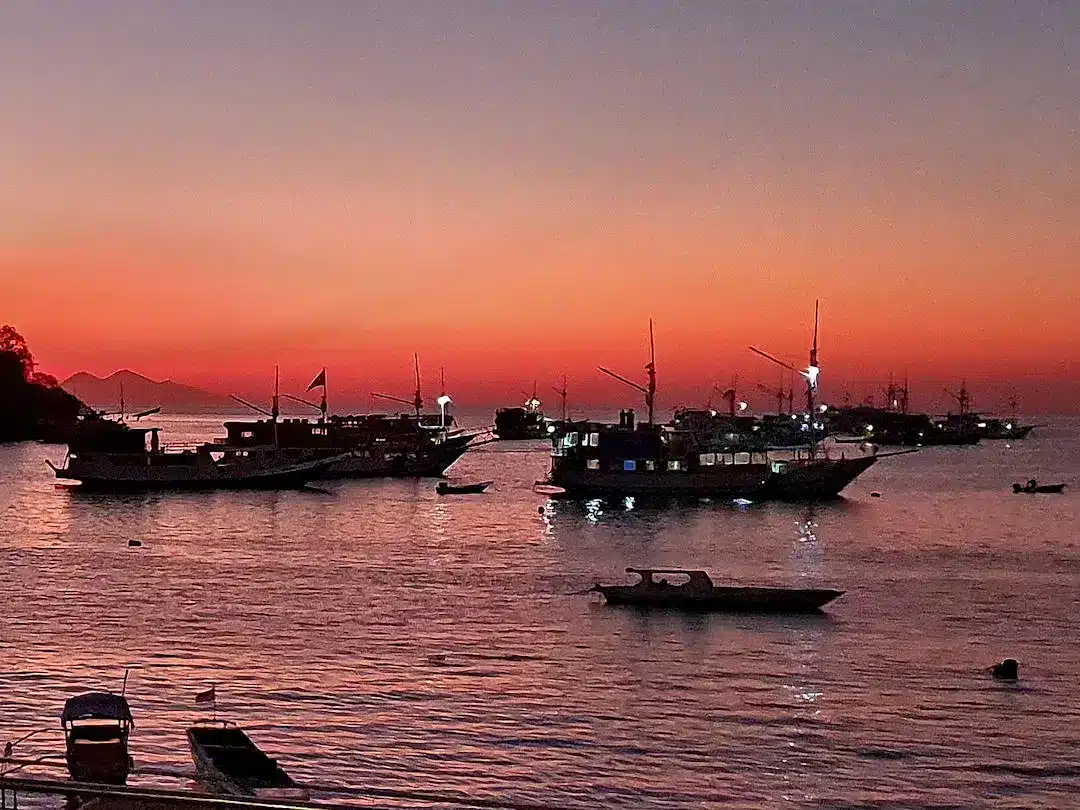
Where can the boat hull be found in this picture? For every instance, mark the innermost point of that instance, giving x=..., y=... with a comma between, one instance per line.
x=429, y=462
x=721, y=599
x=101, y=475
x=813, y=480
x=228, y=762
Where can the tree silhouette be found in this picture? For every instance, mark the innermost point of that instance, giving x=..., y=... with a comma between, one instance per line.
x=11, y=342
x=32, y=404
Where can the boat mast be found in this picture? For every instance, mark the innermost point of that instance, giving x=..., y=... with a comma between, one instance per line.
x=418, y=400
x=650, y=369
x=810, y=375
x=275, y=410
x=562, y=396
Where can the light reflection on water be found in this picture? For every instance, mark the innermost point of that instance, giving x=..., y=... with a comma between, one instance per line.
x=375, y=633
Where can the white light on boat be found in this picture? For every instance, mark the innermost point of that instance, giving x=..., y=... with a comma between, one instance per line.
x=742, y=502
x=982, y=424
x=743, y=406
x=712, y=413
x=823, y=408
x=1008, y=425
x=444, y=400
x=869, y=428
x=811, y=375
x=551, y=428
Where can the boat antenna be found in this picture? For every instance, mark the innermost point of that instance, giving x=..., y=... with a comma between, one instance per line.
x=121, y=400
x=562, y=395
x=904, y=396
x=123, y=686
x=650, y=368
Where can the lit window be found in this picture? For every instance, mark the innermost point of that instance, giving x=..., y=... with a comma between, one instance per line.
x=594, y=440
x=707, y=459
x=593, y=464
x=629, y=465
x=674, y=465
x=247, y=434
x=650, y=465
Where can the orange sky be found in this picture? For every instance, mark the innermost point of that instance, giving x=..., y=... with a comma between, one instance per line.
x=199, y=194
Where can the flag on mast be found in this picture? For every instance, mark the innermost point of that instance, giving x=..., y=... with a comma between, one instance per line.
x=320, y=380
x=206, y=697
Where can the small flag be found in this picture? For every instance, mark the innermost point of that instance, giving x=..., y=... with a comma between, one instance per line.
x=320, y=380
x=206, y=697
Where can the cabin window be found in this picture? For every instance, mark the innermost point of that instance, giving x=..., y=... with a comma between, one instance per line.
x=318, y=431
x=650, y=465
x=707, y=459
x=674, y=465
x=742, y=458
x=571, y=440
x=594, y=440
x=593, y=464
x=629, y=465
x=247, y=434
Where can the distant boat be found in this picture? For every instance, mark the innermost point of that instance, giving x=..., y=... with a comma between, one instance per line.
x=227, y=761
x=699, y=594
x=524, y=423
x=96, y=730
x=445, y=488
x=1032, y=487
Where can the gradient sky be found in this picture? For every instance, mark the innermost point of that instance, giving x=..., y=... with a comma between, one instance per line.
x=200, y=190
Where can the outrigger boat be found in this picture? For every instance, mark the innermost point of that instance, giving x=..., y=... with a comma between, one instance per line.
x=445, y=488
x=1033, y=487
x=699, y=594
x=228, y=762
x=96, y=729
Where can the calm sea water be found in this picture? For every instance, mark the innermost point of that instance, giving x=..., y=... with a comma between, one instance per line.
x=376, y=634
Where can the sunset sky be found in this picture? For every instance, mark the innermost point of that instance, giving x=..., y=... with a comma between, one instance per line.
x=199, y=190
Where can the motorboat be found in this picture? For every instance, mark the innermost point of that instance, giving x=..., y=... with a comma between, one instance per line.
x=696, y=592
x=96, y=730
x=1033, y=487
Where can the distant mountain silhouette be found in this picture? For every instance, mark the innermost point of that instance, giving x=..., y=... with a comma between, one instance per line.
x=141, y=393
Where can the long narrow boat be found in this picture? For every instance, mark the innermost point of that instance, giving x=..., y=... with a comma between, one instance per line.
x=446, y=488
x=699, y=594
x=228, y=762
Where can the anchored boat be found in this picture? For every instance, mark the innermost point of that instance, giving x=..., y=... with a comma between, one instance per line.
x=96, y=730
x=108, y=455
x=227, y=761
x=698, y=593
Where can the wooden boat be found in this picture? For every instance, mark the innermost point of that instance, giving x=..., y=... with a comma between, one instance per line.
x=446, y=488
x=1032, y=487
x=108, y=455
x=228, y=762
x=96, y=729
x=698, y=593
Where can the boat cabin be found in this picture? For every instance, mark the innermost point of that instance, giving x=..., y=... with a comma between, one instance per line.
x=694, y=580
x=96, y=729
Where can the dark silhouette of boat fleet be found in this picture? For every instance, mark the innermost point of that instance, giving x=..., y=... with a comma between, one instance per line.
x=699, y=453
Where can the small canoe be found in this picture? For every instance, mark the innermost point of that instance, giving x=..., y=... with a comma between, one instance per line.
x=228, y=762
x=699, y=594
x=445, y=488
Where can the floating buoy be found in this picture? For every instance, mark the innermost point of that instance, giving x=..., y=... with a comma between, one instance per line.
x=134, y=543
x=1007, y=670
x=875, y=494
